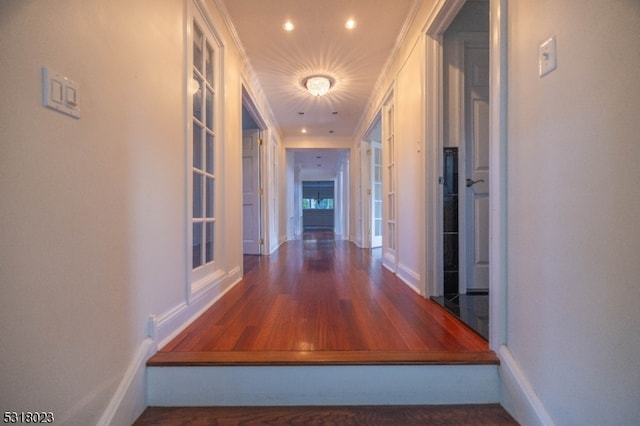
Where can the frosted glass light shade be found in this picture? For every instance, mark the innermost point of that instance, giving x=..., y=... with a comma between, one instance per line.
x=318, y=85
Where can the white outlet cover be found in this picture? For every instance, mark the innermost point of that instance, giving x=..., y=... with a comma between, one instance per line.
x=547, y=56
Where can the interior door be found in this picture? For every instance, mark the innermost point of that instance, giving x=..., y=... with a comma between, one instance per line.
x=251, y=239
x=475, y=185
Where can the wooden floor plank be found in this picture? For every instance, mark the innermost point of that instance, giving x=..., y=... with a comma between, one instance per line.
x=320, y=299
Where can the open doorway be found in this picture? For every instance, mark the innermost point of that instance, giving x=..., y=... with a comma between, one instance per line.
x=306, y=165
x=318, y=205
x=464, y=167
x=373, y=196
x=252, y=240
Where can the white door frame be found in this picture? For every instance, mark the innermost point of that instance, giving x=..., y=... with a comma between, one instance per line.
x=437, y=23
x=366, y=177
x=250, y=106
x=363, y=207
x=390, y=253
x=375, y=240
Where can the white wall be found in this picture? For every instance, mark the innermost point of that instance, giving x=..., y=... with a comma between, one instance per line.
x=573, y=205
x=81, y=198
x=409, y=139
x=92, y=211
x=405, y=76
x=92, y=225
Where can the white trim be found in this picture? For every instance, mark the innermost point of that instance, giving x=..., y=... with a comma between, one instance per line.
x=323, y=385
x=256, y=90
x=129, y=400
x=204, y=284
x=517, y=394
x=248, y=101
x=386, y=68
x=498, y=175
x=433, y=160
x=410, y=277
x=168, y=325
x=441, y=16
x=203, y=9
x=389, y=261
x=209, y=274
x=388, y=132
x=437, y=23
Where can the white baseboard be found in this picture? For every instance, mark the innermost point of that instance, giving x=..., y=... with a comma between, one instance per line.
x=389, y=261
x=410, y=278
x=130, y=398
x=406, y=275
x=274, y=247
x=517, y=395
x=168, y=325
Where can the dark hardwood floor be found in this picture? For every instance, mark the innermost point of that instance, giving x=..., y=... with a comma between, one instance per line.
x=323, y=301
x=460, y=415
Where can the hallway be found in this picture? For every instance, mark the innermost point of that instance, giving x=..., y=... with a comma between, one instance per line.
x=323, y=301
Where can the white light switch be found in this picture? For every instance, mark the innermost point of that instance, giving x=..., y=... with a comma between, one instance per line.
x=71, y=96
x=547, y=56
x=60, y=93
x=56, y=90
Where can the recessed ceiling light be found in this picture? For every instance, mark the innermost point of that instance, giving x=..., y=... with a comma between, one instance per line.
x=288, y=26
x=350, y=24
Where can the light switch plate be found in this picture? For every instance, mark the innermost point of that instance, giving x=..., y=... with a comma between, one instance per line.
x=60, y=93
x=547, y=56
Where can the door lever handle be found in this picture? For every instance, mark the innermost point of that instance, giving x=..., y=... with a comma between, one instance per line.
x=470, y=182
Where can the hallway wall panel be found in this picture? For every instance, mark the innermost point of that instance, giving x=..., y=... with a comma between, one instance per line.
x=411, y=186
x=573, y=231
x=93, y=209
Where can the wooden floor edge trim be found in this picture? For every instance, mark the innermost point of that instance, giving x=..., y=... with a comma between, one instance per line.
x=293, y=358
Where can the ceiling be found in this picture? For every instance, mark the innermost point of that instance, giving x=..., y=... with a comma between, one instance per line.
x=319, y=44
x=319, y=164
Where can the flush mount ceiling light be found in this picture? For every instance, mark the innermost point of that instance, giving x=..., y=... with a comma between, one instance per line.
x=288, y=26
x=318, y=85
